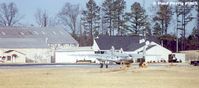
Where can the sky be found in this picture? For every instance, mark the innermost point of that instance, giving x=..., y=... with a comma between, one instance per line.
x=28, y=8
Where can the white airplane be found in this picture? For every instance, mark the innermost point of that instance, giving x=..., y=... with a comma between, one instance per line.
x=112, y=56
x=116, y=56
x=119, y=57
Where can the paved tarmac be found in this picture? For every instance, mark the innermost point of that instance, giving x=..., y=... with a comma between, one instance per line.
x=75, y=65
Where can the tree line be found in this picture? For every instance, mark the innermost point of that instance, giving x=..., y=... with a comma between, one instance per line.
x=112, y=18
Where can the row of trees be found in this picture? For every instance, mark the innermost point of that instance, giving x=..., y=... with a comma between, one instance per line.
x=112, y=18
x=115, y=21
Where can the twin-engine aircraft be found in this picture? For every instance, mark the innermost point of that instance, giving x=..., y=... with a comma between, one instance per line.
x=113, y=56
x=107, y=57
x=120, y=57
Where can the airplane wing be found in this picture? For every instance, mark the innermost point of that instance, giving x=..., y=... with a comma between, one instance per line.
x=113, y=57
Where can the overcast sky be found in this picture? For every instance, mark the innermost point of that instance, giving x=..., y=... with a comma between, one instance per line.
x=27, y=8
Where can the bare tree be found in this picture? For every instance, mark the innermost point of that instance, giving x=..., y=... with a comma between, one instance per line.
x=9, y=14
x=41, y=17
x=69, y=15
x=53, y=21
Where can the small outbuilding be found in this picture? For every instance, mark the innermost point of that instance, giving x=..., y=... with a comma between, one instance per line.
x=12, y=56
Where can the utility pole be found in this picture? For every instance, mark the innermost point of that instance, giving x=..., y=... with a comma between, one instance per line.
x=177, y=14
x=143, y=4
x=80, y=32
x=144, y=50
x=183, y=24
x=198, y=19
x=145, y=45
x=177, y=37
x=198, y=15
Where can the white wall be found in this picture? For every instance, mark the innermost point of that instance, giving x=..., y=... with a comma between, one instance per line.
x=159, y=51
x=38, y=55
x=95, y=47
x=73, y=56
x=153, y=58
x=155, y=53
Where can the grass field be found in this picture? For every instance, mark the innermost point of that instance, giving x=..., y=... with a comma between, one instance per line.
x=153, y=77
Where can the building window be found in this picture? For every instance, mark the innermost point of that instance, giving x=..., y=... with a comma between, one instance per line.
x=8, y=58
x=3, y=58
x=99, y=52
x=62, y=45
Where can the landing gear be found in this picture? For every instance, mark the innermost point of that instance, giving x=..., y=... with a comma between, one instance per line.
x=101, y=65
x=104, y=63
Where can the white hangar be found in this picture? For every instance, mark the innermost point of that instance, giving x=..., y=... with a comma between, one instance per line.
x=33, y=44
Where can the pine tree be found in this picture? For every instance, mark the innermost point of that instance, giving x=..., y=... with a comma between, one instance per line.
x=108, y=15
x=91, y=20
x=113, y=17
x=164, y=15
x=137, y=19
x=91, y=17
x=157, y=29
x=118, y=21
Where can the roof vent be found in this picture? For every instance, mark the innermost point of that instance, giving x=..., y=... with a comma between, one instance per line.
x=3, y=33
x=21, y=33
x=54, y=32
x=35, y=32
x=61, y=32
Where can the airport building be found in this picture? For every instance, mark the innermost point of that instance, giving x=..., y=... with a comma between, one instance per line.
x=55, y=45
x=131, y=45
x=134, y=45
x=32, y=44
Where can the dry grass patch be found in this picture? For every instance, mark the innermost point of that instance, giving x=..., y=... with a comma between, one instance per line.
x=164, y=77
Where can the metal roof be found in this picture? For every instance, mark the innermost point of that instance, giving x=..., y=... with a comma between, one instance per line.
x=127, y=43
x=33, y=37
x=22, y=43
